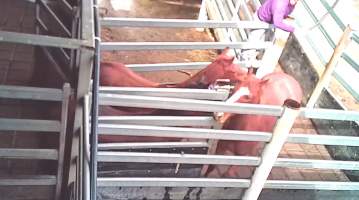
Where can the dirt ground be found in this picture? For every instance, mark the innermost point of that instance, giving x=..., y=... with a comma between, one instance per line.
x=186, y=9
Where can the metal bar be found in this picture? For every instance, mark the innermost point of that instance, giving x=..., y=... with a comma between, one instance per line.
x=173, y=66
x=31, y=93
x=42, y=40
x=84, y=72
x=169, y=92
x=202, y=15
x=8, y=124
x=330, y=114
x=54, y=16
x=56, y=66
x=105, y=156
x=167, y=66
x=157, y=131
x=213, y=106
x=330, y=67
x=28, y=180
x=187, y=104
x=181, y=23
x=36, y=154
x=324, y=139
x=211, y=182
x=41, y=24
x=147, y=145
x=62, y=139
x=134, y=46
x=86, y=149
x=272, y=149
x=159, y=120
x=66, y=7
x=94, y=122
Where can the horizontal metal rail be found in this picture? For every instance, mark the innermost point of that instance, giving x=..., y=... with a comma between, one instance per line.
x=185, y=93
x=28, y=180
x=167, y=66
x=36, y=154
x=42, y=40
x=8, y=124
x=31, y=93
x=134, y=46
x=106, y=156
x=158, y=131
x=213, y=106
x=172, y=66
x=150, y=145
x=187, y=104
x=181, y=23
x=211, y=182
x=159, y=120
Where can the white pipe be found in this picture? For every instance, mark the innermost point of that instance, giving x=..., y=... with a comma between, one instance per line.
x=272, y=149
x=202, y=14
x=330, y=67
x=86, y=149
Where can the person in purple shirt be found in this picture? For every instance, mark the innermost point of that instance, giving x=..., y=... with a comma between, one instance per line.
x=275, y=11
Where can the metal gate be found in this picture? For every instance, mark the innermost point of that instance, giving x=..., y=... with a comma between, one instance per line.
x=199, y=100
x=62, y=46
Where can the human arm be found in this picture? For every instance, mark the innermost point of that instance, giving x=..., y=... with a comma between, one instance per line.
x=279, y=9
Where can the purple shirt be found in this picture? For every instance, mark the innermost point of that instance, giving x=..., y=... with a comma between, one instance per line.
x=274, y=11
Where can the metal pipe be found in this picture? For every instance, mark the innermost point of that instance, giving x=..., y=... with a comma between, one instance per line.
x=157, y=131
x=272, y=149
x=180, y=23
x=330, y=67
x=94, y=122
x=173, y=66
x=213, y=106
x=187, y=104
x=137, y=157
x=134, y=46
x=151, y=145
x=42, y=40
x=86, y=150
x=202, y=15
x=30, y=93
x=220, y=183
x=168, y=66
x=169, y=92
x=54, y=16
x=159, y=120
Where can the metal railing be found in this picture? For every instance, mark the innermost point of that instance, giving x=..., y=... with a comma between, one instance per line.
x=342, y=78
x=173, y=126
x=37, y=125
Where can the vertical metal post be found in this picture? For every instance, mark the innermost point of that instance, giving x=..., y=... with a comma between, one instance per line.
x=94, y=125
x=83, y=87
x=94, y=115
x=62, y=139
x=330, y=67
x=272, y=149
x=86, y=151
